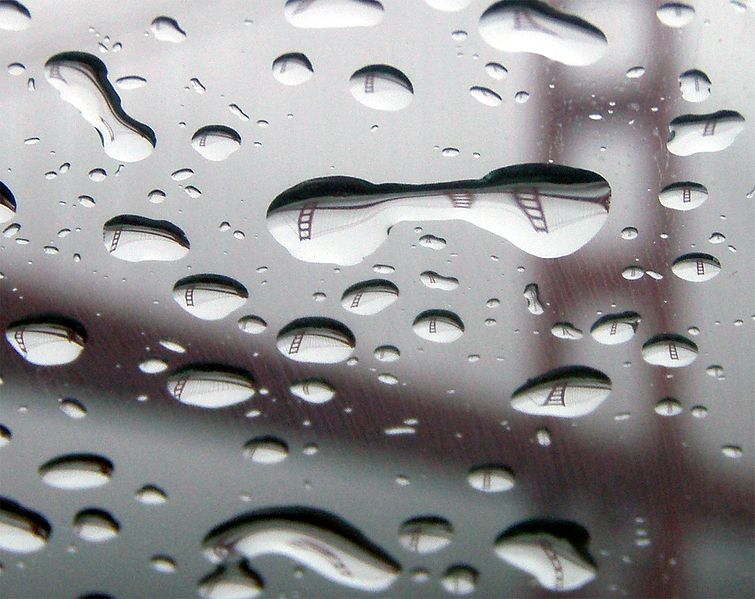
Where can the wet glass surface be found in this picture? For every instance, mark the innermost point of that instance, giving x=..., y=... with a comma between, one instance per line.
x=335, y=298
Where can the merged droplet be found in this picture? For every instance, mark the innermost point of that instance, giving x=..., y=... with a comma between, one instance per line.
x=254, y=325
x=433, y=280
x=95, y=526
x=535, y=27
x=532, y=295
x=210, y=386
x=693, y=134
x=485, y=95
x=566, y=330
x=216, y=142
x=440, y=326
x=327, y=14
x=266, y=450
x=292, y=69
x=683, y=195
x=321, y=542
x=209, y=296
x=557, y=562
x=432, y=242
x=47, y=341
x=613, y=329
x=166, y=29
x=568, y=392
x=675, y=14
x=81, y=80
x=7, y=204
x=491, y=478
x=369, y=297
x=232, y=581
x=696, y=267
x=381, y=87
x=77, y=472
x=426, y=534
x=316, y=340
x=313, y=391
x=459, y=580
x=671, y=351
x=694, y=85
x=14, y=16
x=137, y=239
x=544, y=210
x=21, y=529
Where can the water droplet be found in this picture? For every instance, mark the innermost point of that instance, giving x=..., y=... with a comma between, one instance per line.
x=316, y=340
x=670, y=351
x=387, y=379
x=98, y=175
x=15, y=68
x=173, y=346
x=313, y=391
x=696, y=267
x=432, y=242
x=433, y=280
x=95, y=526
x=14, y=16
x=163, y=564
x=693, y=134
x=151, y=495
x=72, y=408
x=327, y=14
x=629, y=233
x=216, y=142
x=532, y=295
x=568, y=392
x=254, y=325
x=136, y=239
x=491, y=478
x=425, y=534
x=694, y=85
x=77, y=472
x=47, y=342
x=485, y=95
x=566, y=330
x=21, y=530
x=732, y=451
x=153, y=366
x=209, y=296
x=699, y=411
x=521, y=97
x=192, y=191
x=369, y=297
x=459, y=580
x=496, y=71
x=292, y=69
x=635, y=72
x=675, y=14
x=543, y=437
x=5, y=436
x=668, y=407
x=231, y=581
x=81, y=80
x=683, y=195
x=312, y=539
x=448, y=5
x=131, y=82
x=440, y=326
x=717, y=237
x=7, y=204
x=235, y=110
x=381, y=87
x=536, y=28
x=266, y=450
x=613, y=329
x=633, y=273
x=459, y=35
x=450, y=152
x=166, y=29
x=387, y=353
x=210, y=386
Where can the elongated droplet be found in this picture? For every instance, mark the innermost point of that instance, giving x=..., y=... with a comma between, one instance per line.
x=566, y=330
x=266, y=450
x=491, y=479
x=693, y=134
x=208, y=296
x=535, y=27
x=675, y=14
x=485, y=95
x=557, y=562
x=7, y=204
x=544, y=210
x=216, y=142
x=166, y=29
x=448, y=5
x=387, y=353
x=671, y=351
x=532, y=295
x=137, y=239
x=292, y=69
x=14, y=16
x=81, y=80
x=253, y=325
x=696, y=267
x=328, y=551
x=496, y=71
x=633, y=273
x=568, y=392
x=77, y=472
x=369, y=297
x=459, y=580
x=694, y=85
x=613, y=329
x=95, y=526
x=433, y=280
x=668, y=407
x=47, y=342
x=210, y=387
x=432, y=242
x=426, y=534
x=131, y=82
x=73, y=408
x=151, y=495
x=381, y=87
x=683, y=195
x=316, y=340
x=232, y=581
x=21, y=530
x=313, y=391
x=440, y=326
x=328, y=14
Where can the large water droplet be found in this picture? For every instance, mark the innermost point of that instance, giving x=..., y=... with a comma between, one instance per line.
x=166, y=29
x=613, y=329
x=426, y=534
x=210, y=387
x=694, y=85
x=535, y=27
x=216, y=142
x=81, y=80
x=675, y=14
x=232, y=581
x=491, y=478
x=77, y=472
x=292, y=69
x=14, y=16
x=21, y=529
x=369, y=297
x=208, y=296
x=440, y=326
x=692, y=134
x=266, y=450
x=433, y=280
x=671, y=351
x=381, y=87
x=326, y=14
x=544, y=210
x=7, y=204
x=696, y=267
x=95, y=526
x=313, y=391
x=47, y=341
x=568, y=392
x=316, y=340
x=136, y=239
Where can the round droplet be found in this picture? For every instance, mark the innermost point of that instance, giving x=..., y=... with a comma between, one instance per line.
x=153, y=366
x=699, y=411
x=16, y=68
x=670, y=351
x=521, y=97
x=98, y=175
x=47, y=342
x=694, y=85
x=425, y=534
x=292, y=69
x=313, y=391
x=316, y=340
x=543, y=437
x=387, y=379
x=675, y=14
x=629, y=233
x=696, y=267
x=182, y=174
x=440, y=326
x=5, y=435
x=210, y=387
x=166, y=29
x=72, y=408
x=369, y=297
x=216, y=142
x=77, y=472
x=266, y=450
x=14, y=16
x=381, y=87
x=387, y=353
x=448, y=5
x=449, y=152
x=151, y=495
x=95, y=526
x=459, y=580
x=485, y=96
x=209, y=296
x=668, y=407
x=253, y=325
x=491, y=479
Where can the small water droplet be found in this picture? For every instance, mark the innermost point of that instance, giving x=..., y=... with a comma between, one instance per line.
x=166, y=29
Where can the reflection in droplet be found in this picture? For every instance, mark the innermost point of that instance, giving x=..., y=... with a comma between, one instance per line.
x=7, y=204
x=459, y=580
x=675, y=14
x=692, y=134
x=426, y=534
x=440, y=326
x=633, y=273
x=95, y=526
x=694, y=85
x=231, y=581
x=151, y=495
x=326, y=14
x=254, y=325
x=266, y=450
x=535, y=27
x=21, y=529
x=77, y=472
x=216, y=142
x=209, y=296
x=316, y=340
x=491, y=478
x=81, y=80
x=166, y=29
x=47, y=341
x=568, y=392
x=433, y=280
x=696, y=267
x=14, y=16
x=137, y=239
x=369, y=297
x=566, y=330
x=668, y=407
x=381, y=87
x=313, y=391
x=73, y=408
x=485, y=95
x=496, y=71
x=210, y=386
x=613, y=329
x=387, y=353
x=671, y=351
x=292, y=69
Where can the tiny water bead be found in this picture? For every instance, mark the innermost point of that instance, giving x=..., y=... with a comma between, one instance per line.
x=668, y=407
x=151, y=495
x=209, y=296
x=694, y=86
